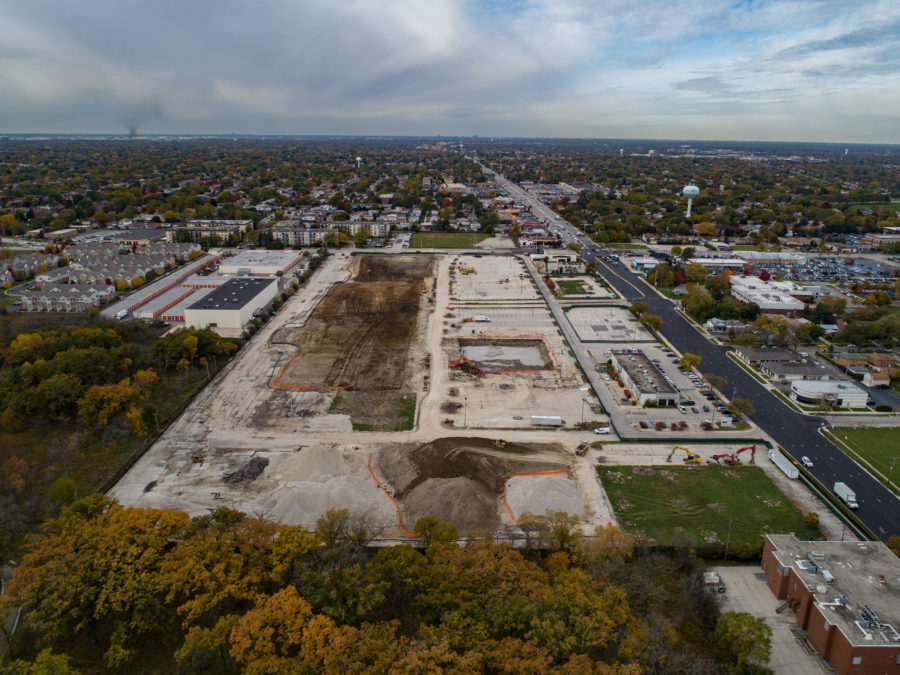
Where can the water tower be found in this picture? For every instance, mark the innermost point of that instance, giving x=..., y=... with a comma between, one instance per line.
x=690, y=191
x=358, y=161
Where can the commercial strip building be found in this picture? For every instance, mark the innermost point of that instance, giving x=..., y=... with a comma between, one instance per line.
x=229, y=308
x=842, y=393
x=765, y=295
x=846, y=595
x=644, y=379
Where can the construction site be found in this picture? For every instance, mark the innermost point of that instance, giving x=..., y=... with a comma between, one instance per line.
x=400, y=387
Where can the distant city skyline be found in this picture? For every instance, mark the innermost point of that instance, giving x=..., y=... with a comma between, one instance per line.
x=811, y=71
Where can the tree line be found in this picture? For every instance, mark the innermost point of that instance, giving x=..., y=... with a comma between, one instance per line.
x=226, y=593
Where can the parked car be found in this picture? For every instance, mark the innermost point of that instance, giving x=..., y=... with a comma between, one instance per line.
x=682, y=410
x=706, y=408
x=644, y=425
x=694, y=410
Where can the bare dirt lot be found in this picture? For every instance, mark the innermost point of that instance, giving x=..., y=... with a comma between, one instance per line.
x=462, y=480
x=360, y=337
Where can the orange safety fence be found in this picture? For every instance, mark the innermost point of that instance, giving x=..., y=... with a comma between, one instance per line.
x=294, y=386
x=381, y=487
x=535, y=473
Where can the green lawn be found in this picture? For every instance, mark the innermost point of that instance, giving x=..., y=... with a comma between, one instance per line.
x=678, y=505
x=749, y=247
x=878, y=446
x=571, y=286
x=625, y=246
x=446, y=239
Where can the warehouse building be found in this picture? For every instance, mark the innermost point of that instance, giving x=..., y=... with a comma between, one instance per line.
x=229, y=308
x=767, y=297
x=260, y=263
x=846, y=596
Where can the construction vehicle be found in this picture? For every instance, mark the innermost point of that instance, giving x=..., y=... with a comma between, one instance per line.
x=197, y=459
x=691, y=457
x=468, y=319
x=500, y=443
x=582, y=448
x=727, y=458
x=448, y=420
x=467, y=270
x=464, y=364
x=751, y=449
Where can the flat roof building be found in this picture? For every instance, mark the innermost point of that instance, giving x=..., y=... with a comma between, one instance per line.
x=846, y=595
x=229, y=308
x=841, y=393
x=644, y=379
x=260, y=263
x=768, y=298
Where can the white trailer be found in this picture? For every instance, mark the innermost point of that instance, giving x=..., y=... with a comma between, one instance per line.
x=121, y=314
x=847, y=495
x=481, y=318
x=782, y=463
x=547, y=420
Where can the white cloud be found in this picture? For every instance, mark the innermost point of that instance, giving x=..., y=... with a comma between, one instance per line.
x=701, y=69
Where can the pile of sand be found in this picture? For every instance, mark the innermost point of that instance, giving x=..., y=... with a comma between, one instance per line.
x=538, y=494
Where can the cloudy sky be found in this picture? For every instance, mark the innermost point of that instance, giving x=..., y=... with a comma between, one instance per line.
x=803, y=70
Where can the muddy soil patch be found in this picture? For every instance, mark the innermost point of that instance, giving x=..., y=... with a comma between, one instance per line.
x=376, y=410
x=460, y=480
x=506, y=354
x=359, y=336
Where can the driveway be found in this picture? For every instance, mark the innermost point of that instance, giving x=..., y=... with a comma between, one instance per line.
x=748, y=593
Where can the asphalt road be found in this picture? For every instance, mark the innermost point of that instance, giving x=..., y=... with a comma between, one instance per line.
x=798, y=434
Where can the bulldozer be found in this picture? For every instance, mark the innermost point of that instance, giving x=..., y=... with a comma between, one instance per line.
x=691, y=457
x=500, y=443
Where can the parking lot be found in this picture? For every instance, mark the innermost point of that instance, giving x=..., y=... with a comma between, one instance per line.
x=614, y=325
x=695, y=401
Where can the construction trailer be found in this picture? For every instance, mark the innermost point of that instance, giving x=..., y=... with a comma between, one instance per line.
x=547, y=421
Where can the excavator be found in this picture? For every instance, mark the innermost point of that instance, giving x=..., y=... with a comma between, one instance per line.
x=464, y=364
x=751, y=449
x=500, y=443
x=727, y=458
x=691, y=457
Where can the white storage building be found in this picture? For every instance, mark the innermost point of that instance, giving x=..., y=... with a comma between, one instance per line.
x=229, y=308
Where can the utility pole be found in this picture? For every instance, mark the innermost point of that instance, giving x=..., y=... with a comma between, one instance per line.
x=728, y=539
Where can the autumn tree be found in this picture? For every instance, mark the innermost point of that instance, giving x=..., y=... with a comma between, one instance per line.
x=651, y=321
x=638, y=308
x=689, y=361
x=741, y=406
x=743, y=639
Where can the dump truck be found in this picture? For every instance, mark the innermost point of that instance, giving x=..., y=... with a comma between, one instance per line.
x=847, y=495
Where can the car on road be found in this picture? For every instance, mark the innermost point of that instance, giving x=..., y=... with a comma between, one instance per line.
x=806, y=461
x=601, y=430
x=644, y=425
x=606, y=377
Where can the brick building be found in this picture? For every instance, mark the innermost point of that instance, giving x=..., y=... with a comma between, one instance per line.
x=846, y=595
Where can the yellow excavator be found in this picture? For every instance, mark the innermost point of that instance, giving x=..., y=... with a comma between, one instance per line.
x=691, y=457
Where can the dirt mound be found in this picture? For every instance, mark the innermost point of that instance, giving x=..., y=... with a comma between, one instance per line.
x=247, y=473
x=460, y=480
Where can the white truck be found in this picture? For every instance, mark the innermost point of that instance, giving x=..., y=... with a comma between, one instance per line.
x=847, y=495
